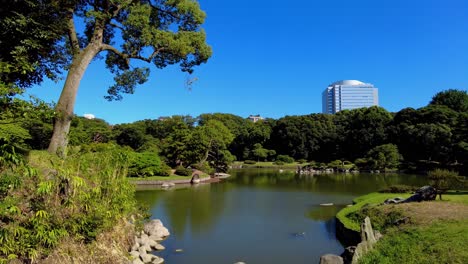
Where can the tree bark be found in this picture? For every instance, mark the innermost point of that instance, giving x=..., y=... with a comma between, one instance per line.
x=66, y=102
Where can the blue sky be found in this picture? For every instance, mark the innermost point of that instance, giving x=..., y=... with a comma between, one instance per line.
x=275, y=58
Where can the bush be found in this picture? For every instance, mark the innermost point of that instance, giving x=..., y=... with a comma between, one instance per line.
x=181, y=171
x=284, y=158
x=398, y=189
x=381, y=219
x=250, y=162
x=147, y=164
x=444, y=180
x=301, y=161
x=76, y=198
x=205, y=167
x=278, y=162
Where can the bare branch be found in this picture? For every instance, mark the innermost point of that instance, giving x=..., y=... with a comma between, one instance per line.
x=75, y=45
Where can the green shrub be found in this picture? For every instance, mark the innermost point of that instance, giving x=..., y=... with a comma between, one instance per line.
x=250, y=162
x=381, y=219
x=398, y=189
x=284, y=158
x=78, y=198
x=205, y=167
x=278, y=162
x=147, y=164
x=301, y=161
x=181, y=171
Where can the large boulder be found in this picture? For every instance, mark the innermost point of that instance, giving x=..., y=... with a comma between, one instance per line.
x=425, y=193
x=156, y=228
x=331, y=259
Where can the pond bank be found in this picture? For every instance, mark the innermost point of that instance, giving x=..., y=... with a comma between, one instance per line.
x=433, y=230
x=211, y=179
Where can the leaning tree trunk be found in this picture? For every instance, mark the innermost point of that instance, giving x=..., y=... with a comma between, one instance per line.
x=66, y=102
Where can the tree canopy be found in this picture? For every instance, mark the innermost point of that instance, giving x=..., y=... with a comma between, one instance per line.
x=42, y=37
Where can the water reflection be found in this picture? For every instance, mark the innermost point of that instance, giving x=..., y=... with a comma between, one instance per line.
x=252, y=215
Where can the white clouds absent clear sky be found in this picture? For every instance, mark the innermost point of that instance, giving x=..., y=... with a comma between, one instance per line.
x=275, y=58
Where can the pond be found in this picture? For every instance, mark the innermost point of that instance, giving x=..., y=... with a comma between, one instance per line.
x=260, y=215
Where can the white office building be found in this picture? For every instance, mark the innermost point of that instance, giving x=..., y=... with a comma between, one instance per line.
x=348, y=94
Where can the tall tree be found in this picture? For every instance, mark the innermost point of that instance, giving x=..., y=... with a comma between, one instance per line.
x=29, y=33
x=162, y=32
x=455, y=99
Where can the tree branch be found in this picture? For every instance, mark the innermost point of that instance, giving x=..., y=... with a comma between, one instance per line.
x=75, y=44
x=127, y=57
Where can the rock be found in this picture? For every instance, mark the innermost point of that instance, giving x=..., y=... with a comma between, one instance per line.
x=137, y=261
x=331, y=259
x=155, y=227
x=135, y=254
x=142, y=251
x=145, y=247
x=156, y=238
x=348, y=254
x=195, y=179
x=167, y=184
x=394, y=200
x=326, y=204
x=158, y=260
x=368, y=238
x=147, y=258
x=179, y=250
x=367, y=233
x=135, y=246
x=425, y=193
x=159, y=247
x=144, y=237
x=239, y=262
x=152, y=243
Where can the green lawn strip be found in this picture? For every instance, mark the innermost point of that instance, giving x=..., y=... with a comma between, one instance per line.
x=442, y=242
x=359, y=202
x=458, y=197
x=166, y=178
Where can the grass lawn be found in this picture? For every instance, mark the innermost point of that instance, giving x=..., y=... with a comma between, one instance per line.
x=436, y=232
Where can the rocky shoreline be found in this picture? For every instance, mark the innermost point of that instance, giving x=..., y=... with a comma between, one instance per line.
x=147, y=242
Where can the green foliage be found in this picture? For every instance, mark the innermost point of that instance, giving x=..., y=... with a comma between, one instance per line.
x=371, y=199
x=301, y=161
x=454, y=99
x=398, y=189
x=250, y=162
x=335, y=164
x=181, y=171
x=147, y=164
x=284, y=158
x=444, y=180
x=381, y=219
x=85, y=131
x=383, y=157
x=279, y=162
x=78, y=197
x=29, y=31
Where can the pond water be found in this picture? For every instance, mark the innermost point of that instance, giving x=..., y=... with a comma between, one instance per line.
x=260, y=215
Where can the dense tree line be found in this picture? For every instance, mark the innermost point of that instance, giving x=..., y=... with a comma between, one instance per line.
x=416, y=139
